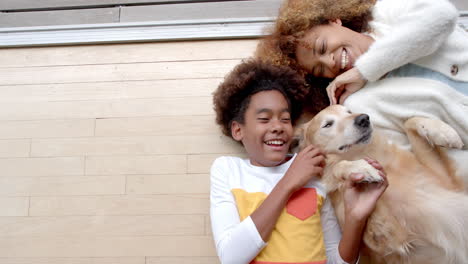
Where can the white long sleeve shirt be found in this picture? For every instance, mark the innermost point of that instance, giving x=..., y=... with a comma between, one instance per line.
x=307, y=230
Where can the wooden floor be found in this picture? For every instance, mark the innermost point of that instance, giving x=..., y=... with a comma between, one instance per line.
x=105, y=152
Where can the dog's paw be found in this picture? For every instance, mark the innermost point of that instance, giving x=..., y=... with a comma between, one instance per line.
x=438, y=133
x=370, y=173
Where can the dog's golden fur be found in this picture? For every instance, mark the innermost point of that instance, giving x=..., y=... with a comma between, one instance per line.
x=423, y=214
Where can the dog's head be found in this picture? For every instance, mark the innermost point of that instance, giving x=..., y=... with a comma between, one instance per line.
x=336, y=130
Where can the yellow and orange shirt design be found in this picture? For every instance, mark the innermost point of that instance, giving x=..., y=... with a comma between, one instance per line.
x=297, y=237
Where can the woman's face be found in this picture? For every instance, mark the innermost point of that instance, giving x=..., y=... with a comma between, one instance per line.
x=331, y=49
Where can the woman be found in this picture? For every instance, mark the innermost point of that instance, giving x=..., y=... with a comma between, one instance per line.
x=326, y=39
x=361, y=42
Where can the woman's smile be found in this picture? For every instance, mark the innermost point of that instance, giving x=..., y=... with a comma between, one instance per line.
x=331, y=49
x=344, y=59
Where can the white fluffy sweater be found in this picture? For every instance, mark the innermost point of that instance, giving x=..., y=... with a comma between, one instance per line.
x=422, y=32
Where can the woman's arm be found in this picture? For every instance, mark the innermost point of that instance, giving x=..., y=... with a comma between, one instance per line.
x=407, y=30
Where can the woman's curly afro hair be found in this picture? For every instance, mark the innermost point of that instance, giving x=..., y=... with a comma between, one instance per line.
x=295, y=18
x=232, y=97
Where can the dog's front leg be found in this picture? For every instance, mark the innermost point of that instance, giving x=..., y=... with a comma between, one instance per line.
x=341, y=171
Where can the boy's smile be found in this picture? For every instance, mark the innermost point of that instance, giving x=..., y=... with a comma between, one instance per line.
x=267, y=130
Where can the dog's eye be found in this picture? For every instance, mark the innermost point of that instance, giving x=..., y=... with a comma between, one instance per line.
x=328, y=124
x=349, y=112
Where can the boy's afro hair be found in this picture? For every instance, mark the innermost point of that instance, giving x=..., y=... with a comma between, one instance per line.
x=232, y=97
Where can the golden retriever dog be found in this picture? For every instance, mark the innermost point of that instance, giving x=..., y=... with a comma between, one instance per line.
x=422, y=217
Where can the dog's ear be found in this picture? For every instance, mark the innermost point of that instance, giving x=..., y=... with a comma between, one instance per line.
x=298, y=139
x=299, y=132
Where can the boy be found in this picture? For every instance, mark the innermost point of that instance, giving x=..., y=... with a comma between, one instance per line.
x=271, y=208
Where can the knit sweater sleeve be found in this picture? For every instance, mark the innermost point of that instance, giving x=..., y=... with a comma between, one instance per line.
x=405, y=31
x=237, y=242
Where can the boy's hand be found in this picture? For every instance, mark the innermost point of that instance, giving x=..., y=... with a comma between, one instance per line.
x=309, y=163
x=361, y=198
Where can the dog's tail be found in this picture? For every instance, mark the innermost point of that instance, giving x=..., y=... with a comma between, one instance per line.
x=447, y=223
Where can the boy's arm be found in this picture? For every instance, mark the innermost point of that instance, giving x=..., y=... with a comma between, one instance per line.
x=236, y=242
x=359, y=203
x=266, y=215
x=350, y=243
x=307, y=165
x=417, y=29
x=340, y=249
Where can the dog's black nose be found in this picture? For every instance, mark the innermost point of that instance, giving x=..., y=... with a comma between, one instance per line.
x=362, y=121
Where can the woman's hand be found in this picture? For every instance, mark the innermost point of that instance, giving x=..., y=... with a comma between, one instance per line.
x=308, y=163
x=361, y=198
x=344, y=85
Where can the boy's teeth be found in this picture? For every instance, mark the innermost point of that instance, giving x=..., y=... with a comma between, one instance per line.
x=275, y=142
x=344, y=59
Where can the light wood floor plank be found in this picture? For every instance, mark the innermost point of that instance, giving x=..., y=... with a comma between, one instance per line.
x=127, y=53
x=15, y=148
x=116, y=72
x=138, y=225
x=14, y=206
x=96, y=246
x=168, y=184
x=40, y=186
x=163, y=164
x=183, y=204
x=183, y=106
x=157, y=126
x=156, y=145
x=93, y=91
x=208, y=226
x=59, y=166
x=47, y=128
x=68, y=260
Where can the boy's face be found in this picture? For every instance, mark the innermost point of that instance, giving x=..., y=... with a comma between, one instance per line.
x=267, y=131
